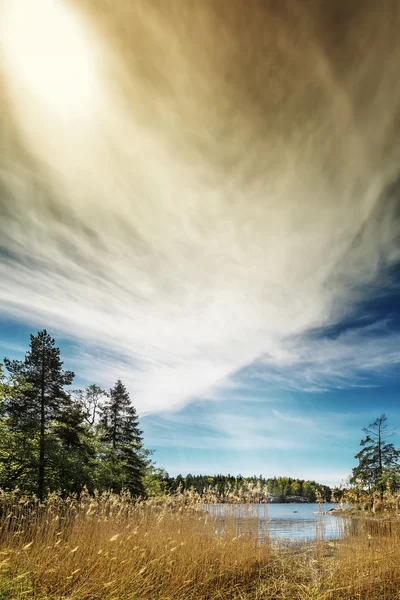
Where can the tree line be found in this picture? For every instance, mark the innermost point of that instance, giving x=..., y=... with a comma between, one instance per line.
x=52, y=439
x=377, y=475
x=255, y=488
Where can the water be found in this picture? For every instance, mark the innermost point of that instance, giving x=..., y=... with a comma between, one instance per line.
x=287, y=521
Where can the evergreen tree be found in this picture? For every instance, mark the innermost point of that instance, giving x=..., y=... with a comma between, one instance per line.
x=377, y=458
x=32, y=412
x=73, y=454
x=124, y=464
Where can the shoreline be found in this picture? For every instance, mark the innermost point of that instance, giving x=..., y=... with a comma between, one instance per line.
x=359, y=513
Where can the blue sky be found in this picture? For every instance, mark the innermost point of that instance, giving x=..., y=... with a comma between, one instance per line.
x=302, y=420
x=211, y=218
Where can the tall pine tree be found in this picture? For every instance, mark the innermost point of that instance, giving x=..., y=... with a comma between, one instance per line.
x=32, y=412
x=377, y=458
x=125, y=463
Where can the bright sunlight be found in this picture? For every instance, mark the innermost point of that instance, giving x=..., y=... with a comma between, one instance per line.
x=48, y=54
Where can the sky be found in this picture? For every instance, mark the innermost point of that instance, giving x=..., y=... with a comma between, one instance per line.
x=213, y=218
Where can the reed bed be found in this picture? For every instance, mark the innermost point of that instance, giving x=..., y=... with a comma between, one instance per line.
x=110, y=547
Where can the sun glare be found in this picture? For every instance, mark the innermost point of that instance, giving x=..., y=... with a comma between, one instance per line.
x=48, y=54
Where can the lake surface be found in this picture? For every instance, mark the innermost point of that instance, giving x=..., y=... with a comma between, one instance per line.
x=287, y=521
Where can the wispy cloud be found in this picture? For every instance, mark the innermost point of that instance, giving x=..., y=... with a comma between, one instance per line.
x=241, y=428
x=184, y=227
x=359, y=357
x=292, y=418
x=313, y=444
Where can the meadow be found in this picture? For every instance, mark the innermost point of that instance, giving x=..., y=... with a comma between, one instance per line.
x=109, y=547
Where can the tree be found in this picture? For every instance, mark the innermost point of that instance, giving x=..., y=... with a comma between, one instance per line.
x=155, y=481
x=10, y=386
x=377, y=458
x=124, y=464
x=14, y=448
x=32, y=412
x=73, y=449
x=91, y=401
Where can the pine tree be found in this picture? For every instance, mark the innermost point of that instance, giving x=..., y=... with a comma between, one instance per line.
x=377, y=458
x=32, y=412
x=125, y=461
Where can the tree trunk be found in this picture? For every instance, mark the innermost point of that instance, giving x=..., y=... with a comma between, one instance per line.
x=380, y=461
x=42, y=424
x=114, y=436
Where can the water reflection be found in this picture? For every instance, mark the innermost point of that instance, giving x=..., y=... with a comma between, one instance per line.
x=282, y=521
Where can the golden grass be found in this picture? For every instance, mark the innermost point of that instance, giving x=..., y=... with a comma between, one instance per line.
x=111, y=548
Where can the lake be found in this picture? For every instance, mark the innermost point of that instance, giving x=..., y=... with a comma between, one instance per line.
x=283, y=521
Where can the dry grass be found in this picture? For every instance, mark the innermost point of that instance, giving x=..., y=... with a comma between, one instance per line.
x=111, y=548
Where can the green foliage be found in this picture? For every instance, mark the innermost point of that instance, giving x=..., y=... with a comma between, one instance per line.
x=119, y=426
x=10, y=385
x=19, y=459
x=42, y=370
x=32, y=411
x=155, y=480
x=51, y=440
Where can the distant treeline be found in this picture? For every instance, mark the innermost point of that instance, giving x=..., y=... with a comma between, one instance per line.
x=257, y=488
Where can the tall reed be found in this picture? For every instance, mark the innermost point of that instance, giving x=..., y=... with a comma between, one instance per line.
x=110, y=547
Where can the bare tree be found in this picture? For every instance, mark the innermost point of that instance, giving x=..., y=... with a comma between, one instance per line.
x=91, y=401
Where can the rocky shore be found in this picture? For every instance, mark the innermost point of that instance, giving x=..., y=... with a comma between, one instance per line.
x=287, y=500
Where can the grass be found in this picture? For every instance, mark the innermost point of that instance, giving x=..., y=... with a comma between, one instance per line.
x=111, y=548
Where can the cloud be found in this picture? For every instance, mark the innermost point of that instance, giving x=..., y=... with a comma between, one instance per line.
x=218, y=431
x=238, y=427
x=227, y=191
x=235, y=439
x=358, y=357
x=291, y=418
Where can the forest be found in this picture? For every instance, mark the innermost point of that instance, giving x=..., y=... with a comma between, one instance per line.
x=256, y=488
